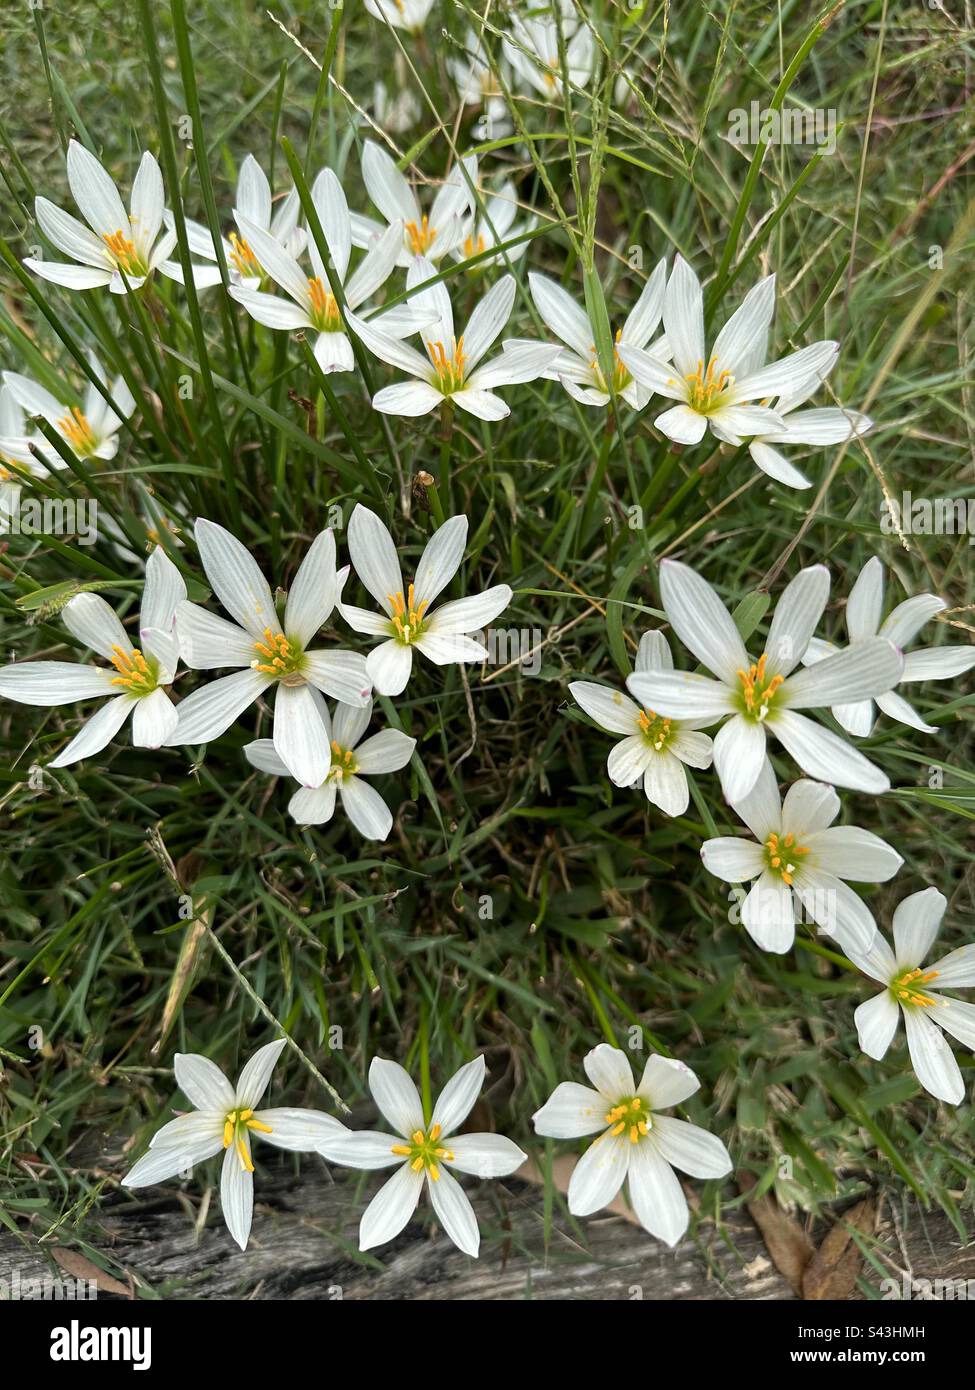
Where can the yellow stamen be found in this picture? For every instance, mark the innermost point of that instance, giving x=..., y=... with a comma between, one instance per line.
x=472, y=246
x=245, y=1158
x=757, y=689
x=134, y=672
x=407, y=614
x=123, y=252
x=420, y=235
x=907, y=988
x=448, y=366
x=243, y=256
x=324, y=308
x=707, y=389
x=77, y=431
x=783, y=852
x=281, y=658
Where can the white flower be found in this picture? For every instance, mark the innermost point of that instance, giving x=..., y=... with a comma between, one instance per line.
x=272, y=653
x=226, y=1117
x=477, y=85
x=493, y=227
x=311, y=303
x=636, y=1144
x=908, y=984
x=764, y=697
x=410, y=15
x=825, y=425
x=655, y=749
x=406, y=621
x=16, y=456
x=578, y=367
x=864, y=608
x=117, y=246
x=398, y=112
x=716, y=390
x=533, y=52
x=424, y=1153
x=432, y=235
x=140, y=673
x=800, y=862
x=253, y=201
x=450, y=371
x=352, y=760
x=90, y=430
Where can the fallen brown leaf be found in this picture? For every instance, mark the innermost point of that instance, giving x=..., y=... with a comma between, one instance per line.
x=833, y=1270
x=786, y=1241
x=80, y=1267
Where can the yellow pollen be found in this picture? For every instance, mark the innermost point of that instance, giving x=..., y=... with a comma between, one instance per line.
x=783, y=854
x=655, y=729
x=235, y=1128
x=757, y=688
x=324, y=308
x=449, y=368
x=907, y=988
x=473, y=247
x=77, y=431
x=280, y=657
x=343, y=762
x=407, y=614
x=707, y=389
x=243, y=256
x=420, y=235
x=630, y=1117
x=123, y=252
x=423, y=1151
x=134, y=672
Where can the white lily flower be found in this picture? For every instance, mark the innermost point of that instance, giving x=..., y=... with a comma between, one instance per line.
x=477, y=85
x=119, y=249
x=398, y=111
x=450, y=371
x=577, y=368
x=864, y=608
x=909, y=989
x=492, y=227
x=253, y=200
x=410, y=15
x=352, y=760
x=226, y=1117
x=823, y=425
x=654, y=749
x=758, y=698
x=406, y=622
x=90, y=430
x=137, y=682
x=432, y=235
x=423, y=1153
x=533, y=52
x=717, y=390
x=636, y=1145
x=799, y=862
x=15, y=448
x=311, y=303
x=272, y=653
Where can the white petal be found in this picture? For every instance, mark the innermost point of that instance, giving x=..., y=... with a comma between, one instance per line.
x=560, y=312
x=733, y=859
x=691, y=1149
x=684, y=317
x=154, y=720
x=237, y=1196
x=850, y=852
x=743, y=339
x=54, y=682
x=861, y=671
x=611, y=709
x=95, y=193
x=682, y=424
x=94, y=622
x=386, y=186
x=488, y=319
x=71, y=236
x=656, y=1194
x=570, y=1112
x=916, y=922
x=776, y=465
x=907, y=619
x=96, y=732
x=808, y=808
x=701, y=621
x=485, y=1155
x=236, y=578
x=300, y=1131
x=665, y=783
x=389, y=667
x=826, y=756
x=956, y=970
x=957, y=1018
x=441, y=559
x=391, y=1208
x=72, y=277
x=681, y=695
x=797, y=615
x=202, y=1082
x=932, y=1058
x=211, y=710
x=192, y=1139
x=599, y=1174
x=876, y=1024
x=253, y=1080
x=666, y=1082
x=938, y=663
x=207, y=641
x=768, y=914
x=450, y=648
x=457, y=1098
x=761, y=809
x=271, y=309
x=609, y=1071
x=456, y=1214
x=408, y=398
x=341, y=674
x=394, y=1092
x=891, y=704
x=482, y=404
x=629, y=760
x=261, y=754
x=300, y=736
x=366, y=809
x=366, y=1149
x=865, y=605
x=836, y=909
x=374, y=556
x=313, y=805
x=311, y=597
x=387, y=751
x=147, y=202
x=739, y=756
x=472, y=613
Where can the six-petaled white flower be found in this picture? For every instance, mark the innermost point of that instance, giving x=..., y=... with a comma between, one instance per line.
x=410, y=15
x=311, y=303
x=532, y=49
x=406, y=621
x=799, y=863
x=578, y=368
x=425, y=1151
x=226, y=1118
x=636, y=1145
x=477, y=85
x=432, y=235
x=913, y=989
x=762, y=697
x=718, y=390
x=352, y=760
x=450, y=371
x=119, y=249
x=654, y=749
x=271, y=651
x=142, y=668
x=864, y=609
x=492, y=227
x=90, y=430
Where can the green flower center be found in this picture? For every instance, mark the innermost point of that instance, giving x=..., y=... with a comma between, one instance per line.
x=280, y=658
x=235, y=1128
x=424, y=1151
x=783, y=856
x=449, y=367
x=136, y=674
x=631, y=1117
x=657, y=730
x=407, y=616
x=707, y=389
x=343, y=763
x=126, y=255
x=325, y=313
x=908, y=988
x=758, y=690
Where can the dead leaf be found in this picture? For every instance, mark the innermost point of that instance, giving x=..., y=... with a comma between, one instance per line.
x=80, y=1267
x=785, y=1240
x=833, y=1270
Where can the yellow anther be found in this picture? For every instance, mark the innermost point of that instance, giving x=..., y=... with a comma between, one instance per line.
x=782, y=854
x=655, y=729
x=245, y=1158
x=243, y=257
x=134, y=672
x=123, y=252
x=448, y=366
x=78, y=432
x=281, y=658
x=420, y=235
x=757, y=688
x=324, y=307
x=407, y=614
x=907, y=987
x=473, y=247
x=707, y=388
